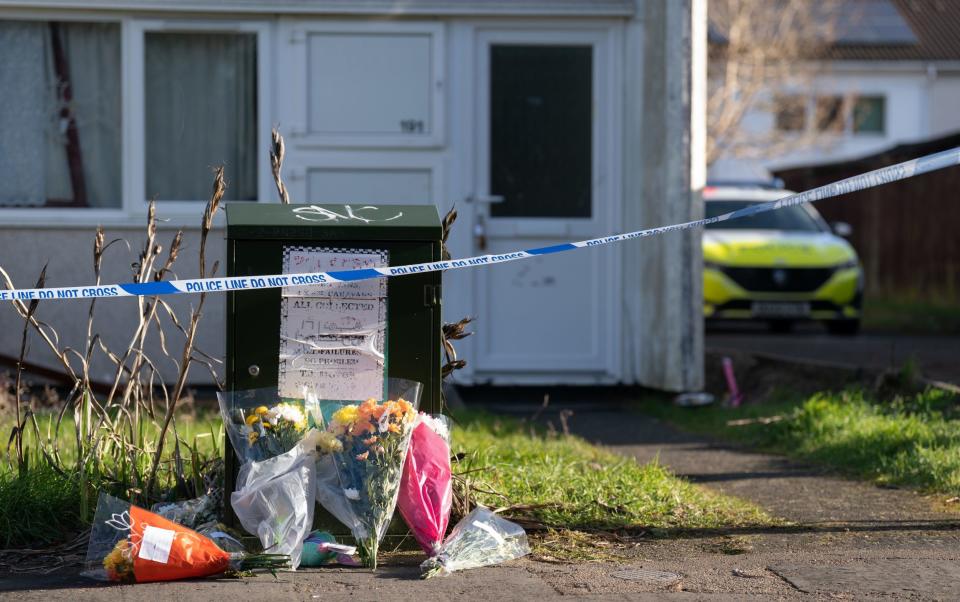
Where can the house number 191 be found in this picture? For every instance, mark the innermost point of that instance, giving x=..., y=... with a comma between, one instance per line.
x=411, y=126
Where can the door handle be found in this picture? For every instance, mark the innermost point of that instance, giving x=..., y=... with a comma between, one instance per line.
x=480, y=233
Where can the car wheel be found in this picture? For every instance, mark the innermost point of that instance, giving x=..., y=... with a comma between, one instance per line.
x=781, y=326
x=843, y=327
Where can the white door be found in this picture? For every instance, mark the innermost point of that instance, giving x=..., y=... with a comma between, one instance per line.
x=545, y=171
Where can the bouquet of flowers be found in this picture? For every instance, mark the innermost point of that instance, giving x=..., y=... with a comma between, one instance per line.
x=274, y=499
x=131, y=545
x=261, y=425
x=372, y=440
x=481, y=538
x=426, y=491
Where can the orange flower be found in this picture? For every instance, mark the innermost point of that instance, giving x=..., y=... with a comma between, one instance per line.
x=363, y=456
x=370, y=441
x=371, y=410
x=362, y=428
x=401, y=407
x=393, y=427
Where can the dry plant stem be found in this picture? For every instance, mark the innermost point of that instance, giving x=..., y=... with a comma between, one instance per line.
x=111, y=428
x=277, y=152
x=142, y=273
x=219, y=186
x=18, y=431
x=456, y=330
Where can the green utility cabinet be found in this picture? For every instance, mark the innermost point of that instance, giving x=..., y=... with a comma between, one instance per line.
x=259, y=236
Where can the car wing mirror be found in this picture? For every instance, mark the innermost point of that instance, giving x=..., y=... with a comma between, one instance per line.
x=841, y=229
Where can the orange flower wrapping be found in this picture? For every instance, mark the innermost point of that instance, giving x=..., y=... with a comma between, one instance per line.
x=188, y=554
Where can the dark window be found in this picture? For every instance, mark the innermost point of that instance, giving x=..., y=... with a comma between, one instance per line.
x=541, y=113
x=829, y=114
x=791, y=113
x=869, y=114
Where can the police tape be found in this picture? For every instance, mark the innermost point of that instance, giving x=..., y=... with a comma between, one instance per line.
x=877, y=177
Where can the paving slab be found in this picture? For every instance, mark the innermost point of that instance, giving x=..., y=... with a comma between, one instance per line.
x=907, y=576
x=388, y=583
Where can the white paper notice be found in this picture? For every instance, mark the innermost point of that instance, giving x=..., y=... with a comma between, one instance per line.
x=332, y=336
x=156, y=543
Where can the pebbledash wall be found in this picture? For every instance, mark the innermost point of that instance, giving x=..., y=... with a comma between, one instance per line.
x=396, y=102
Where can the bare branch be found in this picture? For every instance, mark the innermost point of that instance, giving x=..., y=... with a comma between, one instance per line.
x=277, y=152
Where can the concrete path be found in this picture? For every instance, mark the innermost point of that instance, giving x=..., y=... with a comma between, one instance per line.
x=848, y=538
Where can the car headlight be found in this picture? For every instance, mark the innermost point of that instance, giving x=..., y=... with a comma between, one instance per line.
x=848, y=265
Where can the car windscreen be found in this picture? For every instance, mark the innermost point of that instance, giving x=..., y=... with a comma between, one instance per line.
x=786, y=218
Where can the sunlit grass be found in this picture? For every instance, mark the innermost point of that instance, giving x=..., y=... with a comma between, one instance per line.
x=40, y=505
x=572, y=484
x=912, y=441
x=569, y=484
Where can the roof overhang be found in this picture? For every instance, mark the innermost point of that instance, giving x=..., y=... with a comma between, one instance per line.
x=558, y=8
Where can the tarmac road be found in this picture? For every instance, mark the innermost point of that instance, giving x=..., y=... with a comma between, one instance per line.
x=937, y=356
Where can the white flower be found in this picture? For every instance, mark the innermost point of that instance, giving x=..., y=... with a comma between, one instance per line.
x=290, y=413
x=352, y=494
x=437, y=425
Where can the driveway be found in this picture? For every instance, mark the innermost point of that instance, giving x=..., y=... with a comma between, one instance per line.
x=937, y=357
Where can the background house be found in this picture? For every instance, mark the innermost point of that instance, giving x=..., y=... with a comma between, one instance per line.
x=585, y=116
x=874, y=73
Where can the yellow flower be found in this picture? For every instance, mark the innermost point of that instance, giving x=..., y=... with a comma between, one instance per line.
x=261, y=410
x=118, y=564
x=252, y=437
x=346, y=415
x=327, y=442
x=251, y=419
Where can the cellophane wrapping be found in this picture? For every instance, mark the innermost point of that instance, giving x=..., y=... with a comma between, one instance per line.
x=131, y=545
x=481, y=538
x=274, y=498
x=370, y=446
x=426, y=489
x=261, y=424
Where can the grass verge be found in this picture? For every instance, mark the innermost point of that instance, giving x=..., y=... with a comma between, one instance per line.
x=555, y=481
x=907, y=315
x=561, y=486
x=40, y=505
x=912, y=440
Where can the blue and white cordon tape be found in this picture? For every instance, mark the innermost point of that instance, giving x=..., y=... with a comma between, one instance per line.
x=893, y=173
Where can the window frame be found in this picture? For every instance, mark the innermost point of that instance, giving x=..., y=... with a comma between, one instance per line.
x=800, y=102
x=135, y=189
x=882, y=132
x=132, y=208
x=70, y=215
x=848, y=103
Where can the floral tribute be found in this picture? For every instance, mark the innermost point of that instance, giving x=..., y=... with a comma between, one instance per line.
x=131, y=545
x=260, y=426
x=372, y=444
x=426, y=490
x=481, y=538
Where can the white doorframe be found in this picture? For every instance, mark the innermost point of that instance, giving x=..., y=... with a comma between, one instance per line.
x=469, y=137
